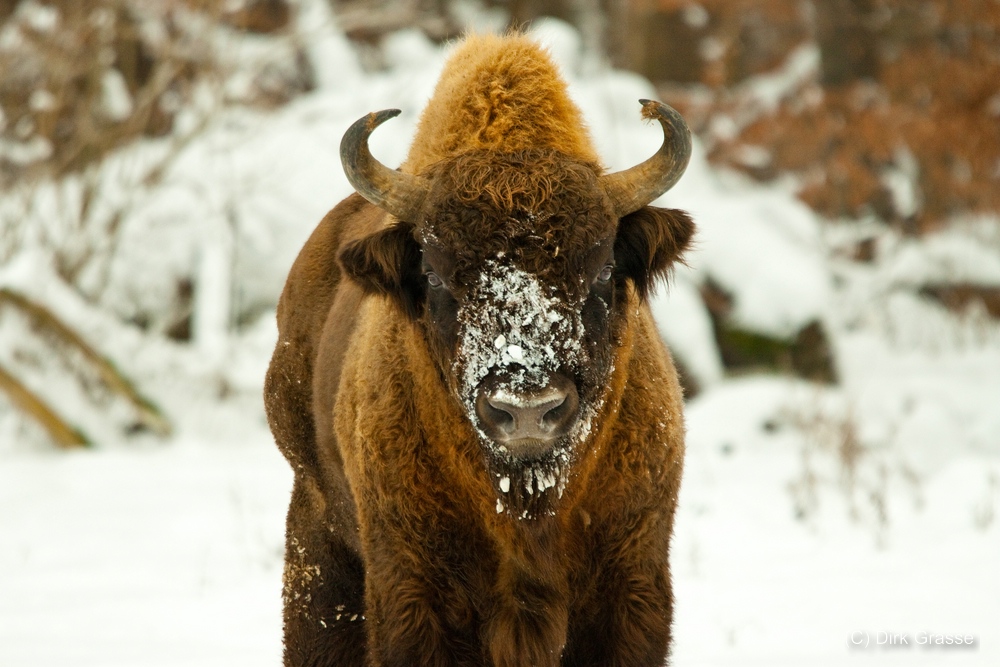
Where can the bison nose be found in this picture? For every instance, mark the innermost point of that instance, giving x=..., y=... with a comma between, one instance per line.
x=529, y=423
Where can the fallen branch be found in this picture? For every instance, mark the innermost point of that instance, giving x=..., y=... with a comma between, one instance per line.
x=27, y=401
x=148, y=414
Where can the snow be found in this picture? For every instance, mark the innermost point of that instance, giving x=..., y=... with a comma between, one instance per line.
x=25, y=152
x=38, y=16
x=757, y=243
x=902, y=181
x=330, y=54
x=767, y=90
x=157, y=556
x=966, y=254
x=808, y=516
x=212, y=308
x=41, y=100
x=563, y=43
x=510, y=318
x=116, y=98
x=796, y=590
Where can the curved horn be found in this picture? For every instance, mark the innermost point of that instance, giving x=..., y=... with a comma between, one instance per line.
x=633, y=188
x=400, y=194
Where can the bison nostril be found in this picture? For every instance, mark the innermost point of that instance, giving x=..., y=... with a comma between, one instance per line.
x=498, y=416
x=554, y=415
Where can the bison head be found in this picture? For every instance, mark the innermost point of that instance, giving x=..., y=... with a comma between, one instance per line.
x=518, y=267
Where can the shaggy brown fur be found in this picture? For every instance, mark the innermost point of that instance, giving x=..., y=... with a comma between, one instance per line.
x=396, y=552
x=499, y=94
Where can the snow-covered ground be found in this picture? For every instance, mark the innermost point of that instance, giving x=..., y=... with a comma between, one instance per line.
x=814, y=522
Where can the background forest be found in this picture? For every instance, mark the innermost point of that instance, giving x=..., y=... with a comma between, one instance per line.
x=837, y=325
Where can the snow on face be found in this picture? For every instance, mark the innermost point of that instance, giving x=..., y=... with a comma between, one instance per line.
x=513, y=325
x=519, y=332
x=510, y=320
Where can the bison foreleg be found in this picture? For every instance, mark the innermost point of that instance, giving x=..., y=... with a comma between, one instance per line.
x=632, y=625
x=410, y=623
x=323, y=589
x=527, y=625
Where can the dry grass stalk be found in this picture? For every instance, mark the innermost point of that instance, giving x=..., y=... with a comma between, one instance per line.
x=834, y=454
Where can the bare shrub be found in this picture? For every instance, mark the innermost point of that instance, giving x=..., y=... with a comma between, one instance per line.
x=835, y=457
x=98, y=98
x=53, y=346
x=80, y=79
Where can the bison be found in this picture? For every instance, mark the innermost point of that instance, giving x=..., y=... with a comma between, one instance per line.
x=485, y=429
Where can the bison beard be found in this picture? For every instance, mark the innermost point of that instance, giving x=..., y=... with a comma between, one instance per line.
x=485, y=429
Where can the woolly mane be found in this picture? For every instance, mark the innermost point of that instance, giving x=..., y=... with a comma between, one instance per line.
x=500, y=94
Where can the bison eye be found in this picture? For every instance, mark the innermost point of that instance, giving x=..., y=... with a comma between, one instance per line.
x=605, y=274
x=434, y=280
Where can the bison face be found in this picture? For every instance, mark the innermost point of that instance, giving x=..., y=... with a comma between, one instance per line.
x=528, y=360
x=518, y=272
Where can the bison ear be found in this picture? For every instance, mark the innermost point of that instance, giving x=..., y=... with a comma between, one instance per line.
x=649, y=241
x=388, y=262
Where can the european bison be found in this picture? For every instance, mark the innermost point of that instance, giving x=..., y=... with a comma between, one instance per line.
x=485, y=428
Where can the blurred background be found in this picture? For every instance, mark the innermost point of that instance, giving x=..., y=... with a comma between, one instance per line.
x=837, y=325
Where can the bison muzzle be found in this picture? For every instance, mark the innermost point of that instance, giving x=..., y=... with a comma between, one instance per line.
x=485, y=429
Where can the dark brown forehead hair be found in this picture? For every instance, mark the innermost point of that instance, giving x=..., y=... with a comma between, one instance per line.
x=539, y=209
x=469, y=228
